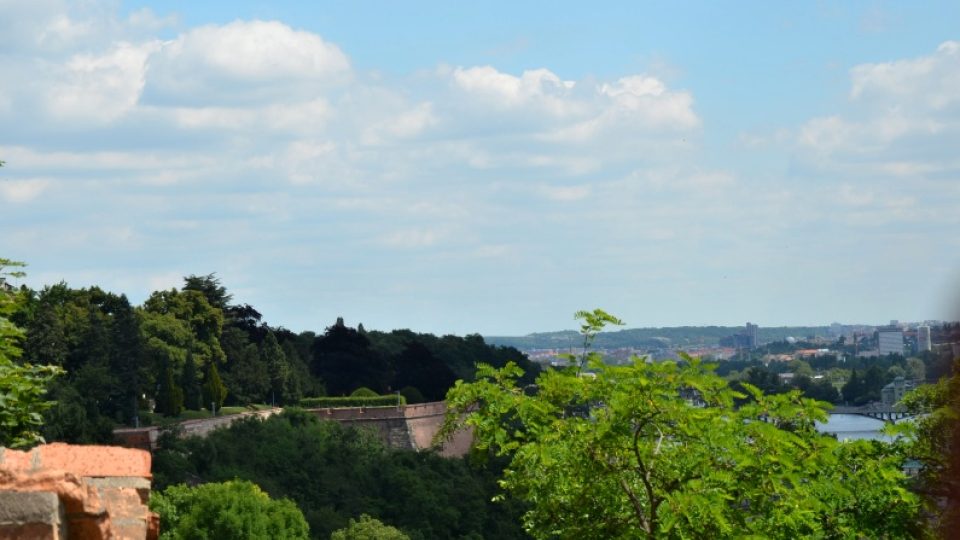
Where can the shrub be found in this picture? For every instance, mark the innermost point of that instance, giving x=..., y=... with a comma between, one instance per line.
x=368, y=528
x=350, y=401
x=237, y=509
x=412, y=394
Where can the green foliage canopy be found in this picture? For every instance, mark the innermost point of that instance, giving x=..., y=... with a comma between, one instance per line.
x=658, y=450
x=238, y=510
x=368, y=528
x=335, y=473
x=22, y=387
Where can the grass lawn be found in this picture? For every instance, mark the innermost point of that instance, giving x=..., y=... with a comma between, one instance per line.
x=154, y=419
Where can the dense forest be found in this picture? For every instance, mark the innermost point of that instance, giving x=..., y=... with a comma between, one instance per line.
x=186, y=351
x=342, y=473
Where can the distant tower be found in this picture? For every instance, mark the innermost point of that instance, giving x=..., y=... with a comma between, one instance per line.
x=752, y=335
x=923, y=339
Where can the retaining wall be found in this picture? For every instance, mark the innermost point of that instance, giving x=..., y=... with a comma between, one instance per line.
x=410, y=427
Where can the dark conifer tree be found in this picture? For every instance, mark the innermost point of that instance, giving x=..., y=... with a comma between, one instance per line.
x=190, y=382
x=126, y=356
x=169, y=395
x=214, y=391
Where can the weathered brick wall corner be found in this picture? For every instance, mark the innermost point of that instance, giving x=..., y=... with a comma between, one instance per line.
x=76, y=492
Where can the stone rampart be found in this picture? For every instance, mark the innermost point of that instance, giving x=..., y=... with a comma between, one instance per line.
x=407, y=426
x=146, y=437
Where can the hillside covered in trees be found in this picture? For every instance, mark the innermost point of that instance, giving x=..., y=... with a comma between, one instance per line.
x=675, y=336
x=189, y=349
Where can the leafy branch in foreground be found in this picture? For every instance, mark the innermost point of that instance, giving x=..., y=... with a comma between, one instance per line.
x=22, y=387
x=659, y=450
x=934, y=435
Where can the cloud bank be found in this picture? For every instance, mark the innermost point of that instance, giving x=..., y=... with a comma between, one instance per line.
x=139, y=149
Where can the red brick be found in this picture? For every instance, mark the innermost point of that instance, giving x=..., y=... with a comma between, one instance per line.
x=16, y=459
x=95, y=460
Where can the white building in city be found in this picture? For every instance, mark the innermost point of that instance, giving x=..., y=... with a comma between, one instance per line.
x=923, y=339
x=890, y=341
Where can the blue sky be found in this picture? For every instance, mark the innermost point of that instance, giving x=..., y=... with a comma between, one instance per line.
x=455, y=167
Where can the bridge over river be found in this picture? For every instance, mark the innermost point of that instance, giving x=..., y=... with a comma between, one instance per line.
x=876, y=410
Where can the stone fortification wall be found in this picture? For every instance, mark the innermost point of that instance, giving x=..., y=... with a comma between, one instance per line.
x=146, y=437
x=409, y=426
x=60, y=491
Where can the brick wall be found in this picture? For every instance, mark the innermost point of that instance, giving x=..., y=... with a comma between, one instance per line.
x=74, y=492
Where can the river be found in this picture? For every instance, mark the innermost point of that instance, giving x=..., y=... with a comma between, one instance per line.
x=853, y=426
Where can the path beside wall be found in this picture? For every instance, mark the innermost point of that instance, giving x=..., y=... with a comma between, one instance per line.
x=408, y=426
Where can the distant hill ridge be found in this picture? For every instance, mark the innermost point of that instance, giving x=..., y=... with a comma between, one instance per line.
x=671, y=336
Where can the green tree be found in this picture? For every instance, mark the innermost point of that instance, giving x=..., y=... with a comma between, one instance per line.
x=169, y=394
x=801, y=368
x=248, y=379
x=916, y=370
x=658, y=450
x=191, y=323
x=345, y=360
x=22, y=387
x=211, y=288
x=334, y=473
x=368, y=528
x=853, y=388
x=126, y=358
x=895, y=371
x=46, y=342
x=273, y=357
x=238, y=510
x=190, y=382
x=213, y=389
x=935, y=442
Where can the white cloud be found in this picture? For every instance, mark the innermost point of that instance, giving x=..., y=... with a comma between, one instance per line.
x=541, y=87
x=901, y=112
x=244, y=61
x=565, y=193
x=101, y=88
x=295, y=118
x=23, y=190
x=416, y=238
x=572, y=111
x=935, y=78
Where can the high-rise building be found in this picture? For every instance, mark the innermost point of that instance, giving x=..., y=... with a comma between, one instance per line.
x=752, y=335
x=890, y=341
x=923, y=339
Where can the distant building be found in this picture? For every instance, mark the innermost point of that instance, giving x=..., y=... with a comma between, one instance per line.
x=890, y=341
x=837, y=329
x=892, y=393
x=742, y=340
x=923, y=339
x=752, y=335
x=807, y=353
